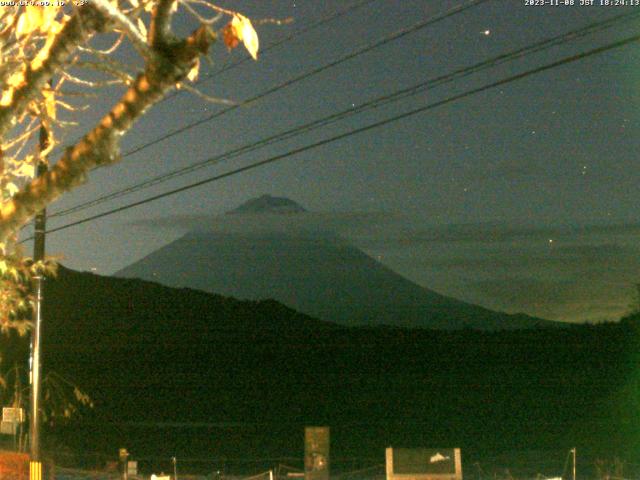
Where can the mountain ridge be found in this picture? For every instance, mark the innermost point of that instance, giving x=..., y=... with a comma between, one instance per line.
x=318, y=274
x=152, y=354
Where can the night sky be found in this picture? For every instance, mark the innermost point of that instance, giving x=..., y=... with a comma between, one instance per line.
x=519, y=198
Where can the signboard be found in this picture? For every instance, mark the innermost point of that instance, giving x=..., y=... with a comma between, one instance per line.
x=11, y=418
x=424, y=464
x=8, y=428
x=12, y=415
x=316, y=453
x=132, y=467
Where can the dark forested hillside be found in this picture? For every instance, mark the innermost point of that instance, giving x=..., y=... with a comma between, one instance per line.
x=252, y=374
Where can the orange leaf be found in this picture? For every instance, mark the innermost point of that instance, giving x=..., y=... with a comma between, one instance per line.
x=239, y=29
x=229, y=37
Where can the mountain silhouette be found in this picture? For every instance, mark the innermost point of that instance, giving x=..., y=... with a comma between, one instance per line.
x=269, y=204
x=310, y=270
x=188, y=373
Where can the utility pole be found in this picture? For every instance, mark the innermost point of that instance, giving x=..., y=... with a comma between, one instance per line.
x=574, y=462
x=35, y=470
x=123, y=456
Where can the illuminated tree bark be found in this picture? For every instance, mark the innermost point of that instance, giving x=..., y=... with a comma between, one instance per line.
x=166, y=61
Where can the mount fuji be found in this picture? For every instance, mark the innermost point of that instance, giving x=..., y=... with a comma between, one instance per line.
x=314, y=272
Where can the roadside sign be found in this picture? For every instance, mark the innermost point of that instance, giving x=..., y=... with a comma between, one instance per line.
x=12, y=415
x=8, y=428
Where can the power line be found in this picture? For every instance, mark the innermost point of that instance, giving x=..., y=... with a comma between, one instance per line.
x=395, y=118
x=277, y=43
x=205, y=78
x=375, y=103
x=361, y=51
x=315, y=71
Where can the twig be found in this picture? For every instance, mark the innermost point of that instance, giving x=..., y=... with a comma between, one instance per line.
x=129, y=29
x=206, y=97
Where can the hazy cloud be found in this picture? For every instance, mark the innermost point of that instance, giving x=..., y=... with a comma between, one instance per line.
x=559, y=272
x=569, y=299
x=337, y=222
x=384, y=227
x=582, y=257
x=395, y=232
x=515, y=170
x=525, y=291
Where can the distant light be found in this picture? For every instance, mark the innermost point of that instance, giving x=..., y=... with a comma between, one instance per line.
x=94, y=269
x=551, y=240
x=486, y=33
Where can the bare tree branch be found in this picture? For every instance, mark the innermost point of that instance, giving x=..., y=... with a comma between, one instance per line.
x=75, y=31
x=40, y=45
x=129, y=29
x=100, y=146
x=160, y=31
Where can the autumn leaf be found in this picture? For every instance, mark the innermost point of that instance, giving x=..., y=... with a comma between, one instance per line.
x=142, y=27
x=229, y=37
x=48, y=18
x=30, y=21
x=12, y=188
x=53, y=29
x=50, y=103
x=7, y=97
x=27, y=169
x=36, y=18
x=14, y=81
x=239, y=29
x=193, y=73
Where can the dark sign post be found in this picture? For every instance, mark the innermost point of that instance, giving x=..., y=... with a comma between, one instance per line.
x=316, y=453
x=123, y=456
